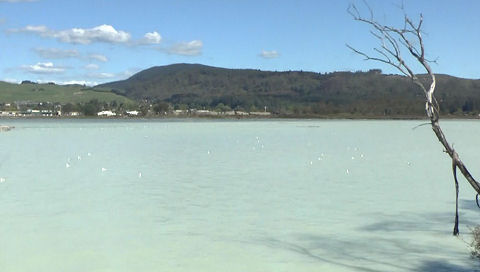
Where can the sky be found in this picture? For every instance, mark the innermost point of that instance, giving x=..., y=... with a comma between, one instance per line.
x=96, y=41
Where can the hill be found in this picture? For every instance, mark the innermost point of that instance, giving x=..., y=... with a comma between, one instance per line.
x=300, y=93
x=62, y=94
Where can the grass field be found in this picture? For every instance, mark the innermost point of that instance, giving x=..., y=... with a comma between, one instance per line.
x=56, y=93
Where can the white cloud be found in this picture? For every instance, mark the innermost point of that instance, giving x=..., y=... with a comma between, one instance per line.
x=101, y=75
x=40, y=29
x=193, y=48
x=98, y=57
x=55, y=53
x=92, y=66
x=12, y=80
x=151, y=38
x=43, y=68
x=101, y=33
x=77, y=82
x=105, y=77
x=269, y=54
x=68, y=82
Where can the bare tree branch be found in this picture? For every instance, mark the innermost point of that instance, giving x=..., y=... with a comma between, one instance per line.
x=409, y=37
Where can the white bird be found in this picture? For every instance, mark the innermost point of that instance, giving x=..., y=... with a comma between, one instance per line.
x=67, y=165
x=79, y=158
x=89, y=154
x=139, y=174
x=348, y=172
x=104, y=169
x=2, y=180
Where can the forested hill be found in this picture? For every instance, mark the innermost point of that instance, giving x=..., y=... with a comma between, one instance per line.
x=296, y=92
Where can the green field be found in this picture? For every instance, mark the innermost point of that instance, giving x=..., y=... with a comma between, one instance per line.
x=62, y=94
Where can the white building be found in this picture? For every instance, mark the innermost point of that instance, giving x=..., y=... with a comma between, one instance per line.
x=179, y=112
x=106, y=113
x=262, y=113
x=132, y=113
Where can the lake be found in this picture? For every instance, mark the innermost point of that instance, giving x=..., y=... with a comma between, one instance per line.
x=267, y=195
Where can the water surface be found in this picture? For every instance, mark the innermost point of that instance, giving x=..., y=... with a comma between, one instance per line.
x=276, y=195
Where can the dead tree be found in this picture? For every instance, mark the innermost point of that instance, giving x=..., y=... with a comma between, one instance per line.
x=394, y=40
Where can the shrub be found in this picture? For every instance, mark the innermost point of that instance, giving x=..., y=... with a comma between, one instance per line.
x=475, y=244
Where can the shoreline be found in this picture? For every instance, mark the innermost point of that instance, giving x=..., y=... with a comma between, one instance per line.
x=271, y=117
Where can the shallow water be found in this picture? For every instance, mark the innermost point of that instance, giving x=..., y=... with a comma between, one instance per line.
x=187, y=195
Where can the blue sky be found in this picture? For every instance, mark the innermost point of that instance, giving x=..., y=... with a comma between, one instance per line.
x=95, y=41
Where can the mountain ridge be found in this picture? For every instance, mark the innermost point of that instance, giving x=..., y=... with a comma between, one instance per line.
x=295, y=92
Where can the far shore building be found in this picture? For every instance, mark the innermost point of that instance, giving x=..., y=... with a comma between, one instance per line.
x=260, y=113
x=179, y=112
x=132, y=113
x=241, y=113
x=206, y=112
x=72, y=113
x=9, y=113
x=106, y=113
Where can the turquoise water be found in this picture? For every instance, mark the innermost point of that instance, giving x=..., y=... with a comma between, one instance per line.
x=103, y=195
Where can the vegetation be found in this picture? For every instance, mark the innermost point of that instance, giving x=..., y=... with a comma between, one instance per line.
x=65, y=98
x=475, y=245
x=368, y=94
x=297, y=93
x=35, y=93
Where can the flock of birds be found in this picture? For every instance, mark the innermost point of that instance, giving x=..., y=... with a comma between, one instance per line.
x=258, y=145
x=68, y=164
x=69, y=161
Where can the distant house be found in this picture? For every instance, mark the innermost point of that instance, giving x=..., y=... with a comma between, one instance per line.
x=9, y=113
x=261, y=113
x=106, y=113
x=178, y=112
x=46, y=113
x=132, y=113
x=206, y=112
x=30, y=112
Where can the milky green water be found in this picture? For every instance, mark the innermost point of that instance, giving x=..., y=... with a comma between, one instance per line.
x=103, y=195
